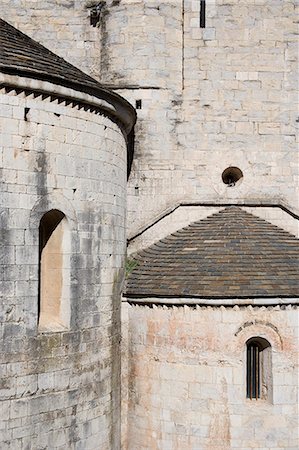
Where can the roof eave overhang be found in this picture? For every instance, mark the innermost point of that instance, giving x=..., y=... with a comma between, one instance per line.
x=210, y=301
x=115, y=105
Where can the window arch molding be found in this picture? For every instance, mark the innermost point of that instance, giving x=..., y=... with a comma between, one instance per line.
x=53, y=201
x=260, y=328
x=46, y=203
x=262, y=331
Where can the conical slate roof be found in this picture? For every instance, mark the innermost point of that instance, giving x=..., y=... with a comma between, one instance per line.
x=20, y=55
x=230, y=254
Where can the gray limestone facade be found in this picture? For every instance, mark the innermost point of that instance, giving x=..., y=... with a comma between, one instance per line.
x=198, y=349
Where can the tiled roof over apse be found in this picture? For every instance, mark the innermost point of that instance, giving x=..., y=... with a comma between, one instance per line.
x=230, y=254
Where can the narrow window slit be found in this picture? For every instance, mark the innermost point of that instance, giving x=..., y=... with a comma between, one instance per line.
x=202, y=14
x=258, y=369
x=26, y=111
x=253, y=371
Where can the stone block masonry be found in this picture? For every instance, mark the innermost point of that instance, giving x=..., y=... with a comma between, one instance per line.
x=187, y=377
x=212, y=97
x=208, y=99
x=219, y=96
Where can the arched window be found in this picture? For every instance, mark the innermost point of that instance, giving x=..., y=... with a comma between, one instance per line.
x=54, y=272
x=258, y=369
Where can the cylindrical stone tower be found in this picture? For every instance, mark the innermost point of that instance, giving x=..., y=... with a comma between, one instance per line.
x=62, y=212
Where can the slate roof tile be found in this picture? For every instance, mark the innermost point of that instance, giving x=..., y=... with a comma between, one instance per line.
x=20, y=55
x=18, y=51
x=229, y=254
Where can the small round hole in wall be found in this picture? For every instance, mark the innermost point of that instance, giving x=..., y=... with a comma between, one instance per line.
x=231, y=176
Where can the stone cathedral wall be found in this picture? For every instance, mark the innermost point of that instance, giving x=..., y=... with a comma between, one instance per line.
x=207, y=99
x=211, y=97
x=61, y=389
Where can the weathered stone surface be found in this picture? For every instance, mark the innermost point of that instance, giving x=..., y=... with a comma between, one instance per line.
x=60, y=389
x=186, y=378
x=225, y=96
x=210, y=98
x=214, y=97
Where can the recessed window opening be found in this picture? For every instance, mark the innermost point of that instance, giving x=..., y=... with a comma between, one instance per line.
x=231, y=176
x=202, y=16
x=258, y=369
x=54, y=272
x=138, y=104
